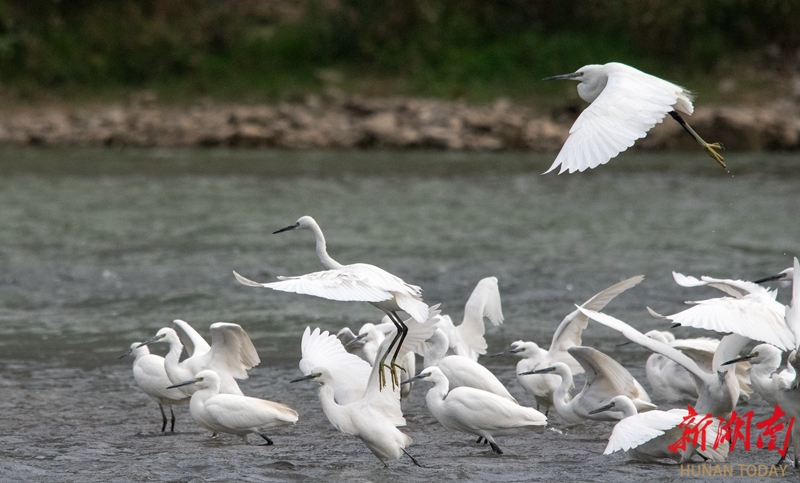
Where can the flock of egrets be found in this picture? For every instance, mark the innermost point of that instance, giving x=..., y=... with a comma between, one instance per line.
x=363, y=377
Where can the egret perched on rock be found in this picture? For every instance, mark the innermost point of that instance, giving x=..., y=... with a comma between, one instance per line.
x=605, y=379
x=370, y=414
x=474, y=411
x=231, y=354
x=625, y=104
x=151, y=377
x=356, y=282
x=647, y=436
x=568, y=334
x=234, y=414
x=467, y=338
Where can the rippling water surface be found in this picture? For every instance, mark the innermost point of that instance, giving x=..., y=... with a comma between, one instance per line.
x=101, y=248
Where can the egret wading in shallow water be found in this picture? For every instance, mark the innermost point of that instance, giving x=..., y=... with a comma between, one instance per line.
x=363, y=411
x=231, y=354
x=647, y=436
x=151, y=377
x=233, y=414
x=625, y=104
x=359, y=282
x=473, y=411
x=568, y=334
x=605, y=379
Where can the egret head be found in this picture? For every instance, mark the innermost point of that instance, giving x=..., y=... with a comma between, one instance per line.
x=318, y=375
x=431, y=374
x=524, y=349
x=760, y=353
x=204, y=379
x=787, y=274
x=136, y=350
x=302, y=222
x=159, y=337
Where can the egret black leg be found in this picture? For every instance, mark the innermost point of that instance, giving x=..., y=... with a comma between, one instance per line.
x=269, y=441
x=496, y=448
x=163, y=418
x=404, y=331
x=709, y=147
x=172, y=428
x=480, y=438
x=412, y=458
x=397, y=337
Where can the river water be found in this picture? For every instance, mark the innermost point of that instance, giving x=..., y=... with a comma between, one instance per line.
x=101, y=248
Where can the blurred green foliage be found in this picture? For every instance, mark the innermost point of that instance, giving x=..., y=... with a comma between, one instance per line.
x=457, y=48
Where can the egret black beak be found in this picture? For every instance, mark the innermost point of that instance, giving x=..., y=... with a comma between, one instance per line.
x=149, y=341
x=500, y=354
x=415, y=378
x=574, y=75
x=607, y=407
x=544, y=370
x=738, y=359
x=675, y=325
x=126, y=354
x=770, y=278
x=290, y=227
x=185, y=383
x=623, y=343
x=358, y=338
x=304, y=378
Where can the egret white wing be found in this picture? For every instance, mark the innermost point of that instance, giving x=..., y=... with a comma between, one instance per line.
x=605, y=378
x=640, y=428
x=192, y=341
x=241, y=412
x=350, y=373
x=755, y=316
x=569, y=331
x=793, y=309
x=734, y=288
x=623, y=112
x=232, y=349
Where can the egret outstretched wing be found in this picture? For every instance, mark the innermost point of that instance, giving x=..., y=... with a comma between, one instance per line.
x=350, y=373
x=192, y=341
x=232, y=351
x=605, y=378
x=628, y=107
x=569, y=331
x=640, y=428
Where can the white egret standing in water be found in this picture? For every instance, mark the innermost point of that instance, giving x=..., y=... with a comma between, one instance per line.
x=368, y=413
x=355, y=282
x=474, y=411
x=230, y=355
x=151, y=377
x=625, y=104
x=234, y=414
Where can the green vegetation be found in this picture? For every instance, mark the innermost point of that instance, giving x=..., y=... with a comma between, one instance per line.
x=478, y=50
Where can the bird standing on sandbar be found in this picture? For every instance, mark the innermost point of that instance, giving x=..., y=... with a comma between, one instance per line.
x=359, y=282
x=625, y=104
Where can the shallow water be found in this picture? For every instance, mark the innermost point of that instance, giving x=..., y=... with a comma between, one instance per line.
x=101, y=248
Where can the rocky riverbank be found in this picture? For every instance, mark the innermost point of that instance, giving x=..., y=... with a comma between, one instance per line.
x=356, y=123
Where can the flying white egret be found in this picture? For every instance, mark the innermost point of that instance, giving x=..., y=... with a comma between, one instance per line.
x=671, y=382
x=355, y=282
x=230, y=355
x=625, y=103
x=717, y=387
x=605, y=378
x=231, y=413
x=460, y=370
x=647, y=436
x=375, y=415
x=151, y=377
x=750, y=310
x=467, y=338
x=777, y=388
x=473, y=411
x=568, y=334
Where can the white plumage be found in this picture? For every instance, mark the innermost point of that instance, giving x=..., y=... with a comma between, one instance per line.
x=234, y=414
x=467, y=339
x=151, y=377
x=476, y=412
x=605, y=379
x=231, y=354
x=568, y=334
x=625, y=104
x=359, y=282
